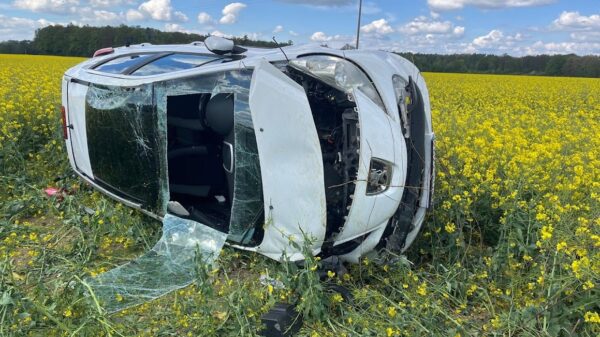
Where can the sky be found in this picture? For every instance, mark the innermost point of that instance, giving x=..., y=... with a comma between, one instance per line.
x=514, y=27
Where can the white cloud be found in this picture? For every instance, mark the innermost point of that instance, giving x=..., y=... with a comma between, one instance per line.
x=205, y=18
x=322, y=37
x=231, y=12
x=109, y=3
x=180, y=16
x=329, y=3
x=54, y=6
x=107, y=16
x=221, y=34
x=574, y=20
x=161, y=10
x=157, y=9
x=585, y=36
x=278, y=29
x=424, y=25
x=378, y=27
x=253, y=36
x=14, y=28
x=580, y=48
x=293, y=33
x=491, y=38
x=134, y=15
x=458, y=31
x=496, y=41
x=445, y=5
x=348, y=6
x=91, y=16
x=174, y=27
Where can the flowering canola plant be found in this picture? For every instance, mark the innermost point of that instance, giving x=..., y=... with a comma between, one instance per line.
x=512, y=246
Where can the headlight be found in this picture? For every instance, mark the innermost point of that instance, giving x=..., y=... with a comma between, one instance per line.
x=338, y=73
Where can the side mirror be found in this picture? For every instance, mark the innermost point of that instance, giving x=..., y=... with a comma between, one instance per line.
x=220, y=46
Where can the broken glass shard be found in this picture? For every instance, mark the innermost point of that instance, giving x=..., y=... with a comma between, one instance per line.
x=172, y=263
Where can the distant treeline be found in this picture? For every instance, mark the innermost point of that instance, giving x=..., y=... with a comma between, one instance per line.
x=83, y=41
x=550, y=65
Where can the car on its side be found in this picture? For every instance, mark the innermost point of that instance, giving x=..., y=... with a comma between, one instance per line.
x=300, y=143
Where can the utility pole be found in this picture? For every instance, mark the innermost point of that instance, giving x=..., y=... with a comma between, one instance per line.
x=358, y=26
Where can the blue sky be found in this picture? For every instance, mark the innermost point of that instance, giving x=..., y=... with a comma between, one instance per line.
x=515, y=27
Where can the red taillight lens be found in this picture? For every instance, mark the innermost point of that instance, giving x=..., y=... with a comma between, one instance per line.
x=63, y=115
x=103, y=51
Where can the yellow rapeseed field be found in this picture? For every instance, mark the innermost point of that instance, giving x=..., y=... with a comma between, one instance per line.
x=512, y=246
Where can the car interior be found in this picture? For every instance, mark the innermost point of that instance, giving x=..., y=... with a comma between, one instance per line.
x=200, y=154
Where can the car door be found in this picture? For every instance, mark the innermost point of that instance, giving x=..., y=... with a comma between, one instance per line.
x=119, y=141
x=290, y=161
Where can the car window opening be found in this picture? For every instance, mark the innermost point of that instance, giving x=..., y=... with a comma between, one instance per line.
x=214, y=171
x=200, y=157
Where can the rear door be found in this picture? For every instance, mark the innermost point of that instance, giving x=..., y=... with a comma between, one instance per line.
x=119, y=141
x=290, y=161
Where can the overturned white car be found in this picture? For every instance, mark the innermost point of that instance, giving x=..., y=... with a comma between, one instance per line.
x=264, y=145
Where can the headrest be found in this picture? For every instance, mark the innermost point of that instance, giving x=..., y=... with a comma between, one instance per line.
x=218, y=114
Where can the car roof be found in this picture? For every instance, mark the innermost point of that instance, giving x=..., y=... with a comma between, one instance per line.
x=378, y=65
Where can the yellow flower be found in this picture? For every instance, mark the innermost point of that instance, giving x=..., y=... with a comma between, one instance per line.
x=495, y=322
x=422, y=289
x=580, y=264
x=561, y=246
x=391, y=312
x=592, y=317
x=389, y=332
x=450, y=227
x=330, y=274
x=337, y=298
x=68, y=313
x=546, y=232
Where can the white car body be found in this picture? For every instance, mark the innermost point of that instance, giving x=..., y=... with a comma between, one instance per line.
x=290, y=143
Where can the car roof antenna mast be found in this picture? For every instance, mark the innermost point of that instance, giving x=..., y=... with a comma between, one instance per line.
x=279, y=46
x=358, y=25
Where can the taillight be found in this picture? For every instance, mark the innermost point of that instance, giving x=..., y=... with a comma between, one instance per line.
x=63, y=115
x=104, y=51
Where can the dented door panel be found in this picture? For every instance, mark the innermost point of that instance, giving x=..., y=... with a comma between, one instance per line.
x=290, y=163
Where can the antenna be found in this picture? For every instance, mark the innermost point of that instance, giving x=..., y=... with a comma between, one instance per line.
x=358, y=25
x=279, y=46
